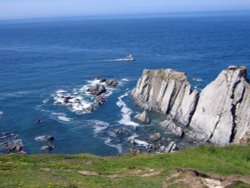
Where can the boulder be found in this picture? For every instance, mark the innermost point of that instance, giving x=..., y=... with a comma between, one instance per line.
x=143, y=117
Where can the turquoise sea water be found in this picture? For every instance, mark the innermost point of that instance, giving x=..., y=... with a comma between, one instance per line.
x=39, y=58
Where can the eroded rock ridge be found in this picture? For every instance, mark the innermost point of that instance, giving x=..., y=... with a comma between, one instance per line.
x=219, y=114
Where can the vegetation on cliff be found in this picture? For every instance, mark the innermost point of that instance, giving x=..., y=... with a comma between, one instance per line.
x=178, y=169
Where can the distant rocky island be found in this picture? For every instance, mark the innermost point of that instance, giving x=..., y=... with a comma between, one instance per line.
x=219, y=114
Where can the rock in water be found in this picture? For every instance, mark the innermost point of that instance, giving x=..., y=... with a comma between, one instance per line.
x=47, y=148
x=143, y=117
x=100, y=100
x=219, y=114
x=111, y=83
x=155, y=137
x=97, y=89
x=166, y=91
x=223, y=108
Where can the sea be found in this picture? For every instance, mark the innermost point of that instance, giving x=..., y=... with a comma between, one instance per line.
x=40, y=59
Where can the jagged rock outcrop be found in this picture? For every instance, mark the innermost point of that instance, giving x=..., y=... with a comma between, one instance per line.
x=166, y=91
x=171, y=127
x=219, y=114
x=222, y=113
x=143, y=117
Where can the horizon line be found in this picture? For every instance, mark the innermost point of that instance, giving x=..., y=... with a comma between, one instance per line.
x=137, y=15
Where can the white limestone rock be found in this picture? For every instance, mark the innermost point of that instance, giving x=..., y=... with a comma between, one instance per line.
x=166, y=91
x=221, y=112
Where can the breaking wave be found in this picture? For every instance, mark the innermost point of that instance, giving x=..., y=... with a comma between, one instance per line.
x=126, y=112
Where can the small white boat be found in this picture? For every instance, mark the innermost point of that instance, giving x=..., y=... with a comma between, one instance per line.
x=128, y=58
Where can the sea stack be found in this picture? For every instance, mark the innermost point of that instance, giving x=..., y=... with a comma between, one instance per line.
x=219, y=114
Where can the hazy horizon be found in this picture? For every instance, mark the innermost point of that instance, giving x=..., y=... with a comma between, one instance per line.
x=29, y=9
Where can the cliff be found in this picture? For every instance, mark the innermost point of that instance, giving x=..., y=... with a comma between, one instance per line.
x=166, y=91
x=219, y=114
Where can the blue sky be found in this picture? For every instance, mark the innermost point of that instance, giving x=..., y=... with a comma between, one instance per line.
x=14, y=9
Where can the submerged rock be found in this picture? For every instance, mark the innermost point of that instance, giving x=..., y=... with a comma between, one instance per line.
x=143, y=117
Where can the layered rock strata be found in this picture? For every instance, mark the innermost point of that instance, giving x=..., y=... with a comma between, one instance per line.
x=219, y=114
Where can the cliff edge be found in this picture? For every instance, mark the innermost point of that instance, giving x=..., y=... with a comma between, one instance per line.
x=218, y=114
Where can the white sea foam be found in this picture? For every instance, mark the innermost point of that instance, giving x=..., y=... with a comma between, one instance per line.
x=95, y=81
x=125, y=112
x=117, y=146
x=137, y=141
x=125, y=80
x=45, y=101
x=61, y=91
x=40, y=138
x=75, y=103
x=13, y=94
x=1, y=113
x=141, y=143
x=61, y=117
x=98, y=125
x=198, y=79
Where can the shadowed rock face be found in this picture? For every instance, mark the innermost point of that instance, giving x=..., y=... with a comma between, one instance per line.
x=219, y=114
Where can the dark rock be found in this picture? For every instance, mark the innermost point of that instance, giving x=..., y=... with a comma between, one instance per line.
x=47, y=148
x=100, y=79
x=112, y=83
x=118, y=131
x=47, y=138
x=100, y=100
x=97, y=89
x=14, y=146
x=66, y=99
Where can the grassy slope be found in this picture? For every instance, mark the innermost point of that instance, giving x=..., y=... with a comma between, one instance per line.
x=63, y=170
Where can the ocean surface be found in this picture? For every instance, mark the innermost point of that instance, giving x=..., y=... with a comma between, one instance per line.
x=38, y=59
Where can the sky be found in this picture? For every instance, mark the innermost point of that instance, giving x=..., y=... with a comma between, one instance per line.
x=22, y=9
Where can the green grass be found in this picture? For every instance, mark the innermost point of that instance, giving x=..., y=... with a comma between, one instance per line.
x=120, y=171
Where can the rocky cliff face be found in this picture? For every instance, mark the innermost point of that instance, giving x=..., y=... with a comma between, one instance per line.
x=166, y=91
x=219, y=114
